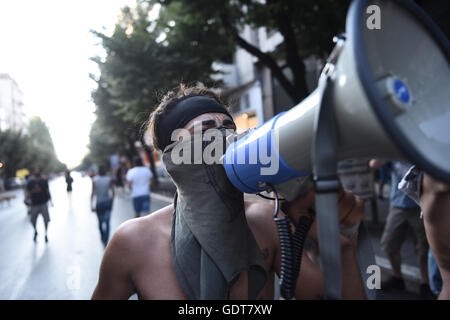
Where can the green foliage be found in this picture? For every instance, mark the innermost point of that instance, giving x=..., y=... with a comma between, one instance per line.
x=85, y=164
x=145, y=58
x=41, y=149
x=307, y=27
x=35, y=149
x=138, y=68
x=13, y=147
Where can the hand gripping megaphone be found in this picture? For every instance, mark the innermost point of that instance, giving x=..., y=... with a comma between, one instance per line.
x=384, y=93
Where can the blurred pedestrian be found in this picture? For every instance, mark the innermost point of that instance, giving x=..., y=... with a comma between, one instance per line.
x=27, y=202
x=119, y=179
x=69, y=180
x=2, y=184
x=38, y=195
x=139, y=178
x=103, y=190
x=383, y=178
x=404, y=215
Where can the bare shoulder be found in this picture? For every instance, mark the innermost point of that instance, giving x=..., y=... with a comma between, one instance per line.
x=259, y=210
x=136, y=234
x=259, y=215
x=127, y=252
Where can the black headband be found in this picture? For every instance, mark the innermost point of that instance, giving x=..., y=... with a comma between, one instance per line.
x=183, y=112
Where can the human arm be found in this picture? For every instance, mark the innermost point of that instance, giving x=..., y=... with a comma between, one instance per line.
x=128, y=178
x=111, y=186
x=435, y=205
x=115, y=282
x=92, y=196
x=377, y=163
x=27, y=196
x=310, y=283
x=48, y=193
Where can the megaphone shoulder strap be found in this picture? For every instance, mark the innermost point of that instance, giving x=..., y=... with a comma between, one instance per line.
x=327, y=186
x=366, y=258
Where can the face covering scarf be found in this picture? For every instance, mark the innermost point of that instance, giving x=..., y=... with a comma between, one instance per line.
x=211, y=241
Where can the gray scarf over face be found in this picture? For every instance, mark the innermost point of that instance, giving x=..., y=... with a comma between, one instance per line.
x=211, y=241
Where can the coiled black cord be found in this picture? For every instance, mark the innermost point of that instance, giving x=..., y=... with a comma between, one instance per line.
x=291, y=248
x=298, y=242
x=287, y=278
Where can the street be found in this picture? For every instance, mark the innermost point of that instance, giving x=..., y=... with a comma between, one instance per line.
x=67, y=266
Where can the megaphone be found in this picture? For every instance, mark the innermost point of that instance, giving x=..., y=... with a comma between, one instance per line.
x=384, y=93
x=390, y=95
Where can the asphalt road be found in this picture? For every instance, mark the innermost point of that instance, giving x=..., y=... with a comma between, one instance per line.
x=67, y=266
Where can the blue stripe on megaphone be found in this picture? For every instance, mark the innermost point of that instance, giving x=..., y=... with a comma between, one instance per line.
x=255, y=159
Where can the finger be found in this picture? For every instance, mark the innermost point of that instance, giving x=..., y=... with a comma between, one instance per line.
x=357, y=213
x=351, y=209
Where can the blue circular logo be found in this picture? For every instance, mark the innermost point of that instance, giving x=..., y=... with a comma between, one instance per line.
x=401, y=91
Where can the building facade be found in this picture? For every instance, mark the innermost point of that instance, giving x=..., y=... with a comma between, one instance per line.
x=253, y=93
x=12, y=115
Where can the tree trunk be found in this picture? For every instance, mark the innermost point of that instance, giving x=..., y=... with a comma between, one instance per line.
x=297, y=90
x=293, y=59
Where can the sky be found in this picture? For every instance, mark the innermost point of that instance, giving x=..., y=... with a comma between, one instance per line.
x=46, y=47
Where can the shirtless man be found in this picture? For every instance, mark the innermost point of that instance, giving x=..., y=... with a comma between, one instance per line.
x=138, y=259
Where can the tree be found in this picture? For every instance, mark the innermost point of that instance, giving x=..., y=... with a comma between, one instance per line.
x=41, y=151
x=138, y=67
x=307, y=27
x=13, y=150
x=31, y=150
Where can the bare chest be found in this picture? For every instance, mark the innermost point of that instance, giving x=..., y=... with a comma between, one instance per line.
x=155, y=277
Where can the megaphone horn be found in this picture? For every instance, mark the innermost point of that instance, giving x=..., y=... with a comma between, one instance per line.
x=390, y=98
x=384, y=93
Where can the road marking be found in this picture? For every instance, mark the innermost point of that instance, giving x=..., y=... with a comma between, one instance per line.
x=407, y=270
x=30, y=267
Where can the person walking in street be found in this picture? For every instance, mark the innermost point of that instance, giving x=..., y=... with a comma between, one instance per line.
x=28, y=201
x=37, y=194
x=404, y=214
x=69, y=181
x=101, y=187
x=139, y=179
x=383, y=172
x=119, y=179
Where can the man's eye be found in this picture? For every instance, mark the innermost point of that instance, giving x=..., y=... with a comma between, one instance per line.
x=230, y=127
